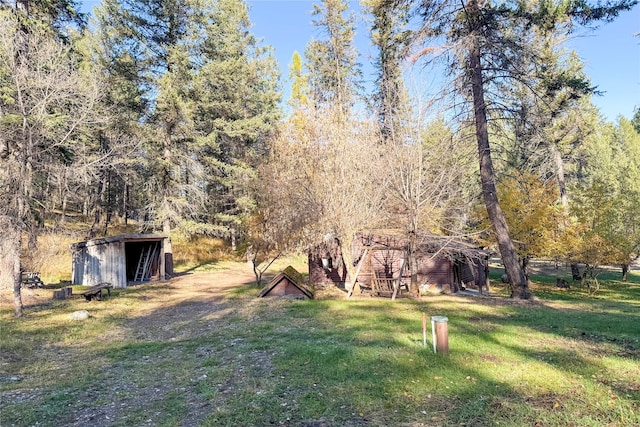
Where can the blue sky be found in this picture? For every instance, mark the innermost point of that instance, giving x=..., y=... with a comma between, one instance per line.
x=611, y=53
x=611, y=56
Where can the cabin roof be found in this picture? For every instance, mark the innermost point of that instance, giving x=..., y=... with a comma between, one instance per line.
x=427, y=243
x=120, y=238
x=452, y=247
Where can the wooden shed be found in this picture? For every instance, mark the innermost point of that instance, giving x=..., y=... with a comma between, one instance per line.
x=288, y=282
x=441, y=260
x=122, y=260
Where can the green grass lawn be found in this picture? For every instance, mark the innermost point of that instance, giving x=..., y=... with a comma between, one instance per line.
x=567, y=359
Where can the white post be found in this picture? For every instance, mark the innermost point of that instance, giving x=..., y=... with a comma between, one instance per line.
x=433, y=332
x=424, y=329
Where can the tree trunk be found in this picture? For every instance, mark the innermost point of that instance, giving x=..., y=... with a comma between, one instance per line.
x=625, y=272
x=413, y=265
x=252, y=258
x=17, y=273
x=11, y=246
x=487, y=280
x=125, y=200
x=97, y=213
x=29, y=216
x=517, y=279
x=559, y=164
x=234, y=245
x=107, y=205
x=525, y=266
x=347, y=259
x=63, y=218
x=10, y=263
x=85, y=204
x=165, y=181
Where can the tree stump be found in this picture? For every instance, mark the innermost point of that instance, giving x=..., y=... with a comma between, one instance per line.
x=60, y=294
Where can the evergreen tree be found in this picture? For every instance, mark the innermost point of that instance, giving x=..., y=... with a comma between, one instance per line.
x=236, y=96
x=334, y=71
x=635, y=120
x=390, y=35
x=55, y=16
x=207, y=98
x=114, y=189
x=488, y=44
x=550, y=121
x=148, y=39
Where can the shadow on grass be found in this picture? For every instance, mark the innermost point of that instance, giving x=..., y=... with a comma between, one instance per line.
x=237, y=360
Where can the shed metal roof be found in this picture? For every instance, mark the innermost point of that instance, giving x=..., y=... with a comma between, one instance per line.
x=120, y=238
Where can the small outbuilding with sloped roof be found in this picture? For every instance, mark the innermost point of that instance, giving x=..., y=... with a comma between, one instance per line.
x=384, y=254
x=288, y=282
x=121, y=260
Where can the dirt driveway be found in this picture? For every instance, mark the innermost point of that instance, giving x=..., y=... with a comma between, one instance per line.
x=180, y=307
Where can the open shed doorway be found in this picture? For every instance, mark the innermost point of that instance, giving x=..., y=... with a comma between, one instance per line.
x=142, y=260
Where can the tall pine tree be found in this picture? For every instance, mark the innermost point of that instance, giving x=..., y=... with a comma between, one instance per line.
x=487, y=45
x=236, y=96
x=390, y=34
x=209, y=96
x=334, y=71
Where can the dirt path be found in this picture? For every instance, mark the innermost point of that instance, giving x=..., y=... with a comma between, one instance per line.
x=207, y=286
x=185, y=306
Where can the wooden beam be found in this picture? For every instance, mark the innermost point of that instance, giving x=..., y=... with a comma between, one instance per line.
x=396, y=283
x=355, y=276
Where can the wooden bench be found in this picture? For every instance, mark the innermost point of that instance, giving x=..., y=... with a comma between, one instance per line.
x=96, y=291
x=31, y=279
x=389, y=287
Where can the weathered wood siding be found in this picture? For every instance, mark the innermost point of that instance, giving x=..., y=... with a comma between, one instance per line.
x=435, y=271
x=285, y=287
x=114, y=259
x=100, y=262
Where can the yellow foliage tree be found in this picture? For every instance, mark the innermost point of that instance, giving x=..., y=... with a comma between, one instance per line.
x=607, y=204
x=536, y=219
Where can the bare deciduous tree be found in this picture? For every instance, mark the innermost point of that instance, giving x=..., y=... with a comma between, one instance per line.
x=326, y=175
x=45, y=101
x=427, y=169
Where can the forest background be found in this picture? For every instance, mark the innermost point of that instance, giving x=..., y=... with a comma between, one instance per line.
x=169, y=115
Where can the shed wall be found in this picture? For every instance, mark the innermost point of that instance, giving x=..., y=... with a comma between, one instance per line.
x=438, y=271
x=385, y=258
x=98, y=263
x=106, y=260
x=285, y=287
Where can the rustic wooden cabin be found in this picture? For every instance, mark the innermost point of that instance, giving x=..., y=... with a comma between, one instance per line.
x=122, y=260
x=288, y=283
x=449, y=263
